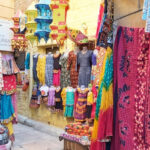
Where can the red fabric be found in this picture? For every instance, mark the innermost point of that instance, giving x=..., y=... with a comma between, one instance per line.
x=100, y=17
x=9, y=84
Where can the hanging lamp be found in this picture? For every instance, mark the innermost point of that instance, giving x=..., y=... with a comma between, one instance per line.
x=44, y=19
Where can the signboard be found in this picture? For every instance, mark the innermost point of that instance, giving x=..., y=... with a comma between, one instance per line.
x=5, y=35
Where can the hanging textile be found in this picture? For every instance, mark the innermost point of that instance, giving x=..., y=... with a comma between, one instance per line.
x=104, y=108
x=1, y=75
x=131, y=88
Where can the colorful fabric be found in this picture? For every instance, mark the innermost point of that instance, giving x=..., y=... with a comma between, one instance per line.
x=51, y=97
x=80, y=109
x=90, y=98
x=63, y=95
x=49, y=70
x=14, y=103
x=27, y=61
x=131, y=86
x=71, y=65
x=7, y=113
x=1, y=75
x=56, y=78
x=77, y=36
x=40, y=68
x=69, y=104
x=104, y=107
x=96, y=70
x=9, y=84
x=65, y=74
x=58, y=99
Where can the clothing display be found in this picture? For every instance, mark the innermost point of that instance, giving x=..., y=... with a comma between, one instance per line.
x=40, y=68
x=80, y=111
x=27, y=61
x=71, y=65
x=7, y=111
x=131, y=81
x=51, y=97
x=49, y=70
x=35, y=60
x=20, y=59
x=84, y=61
x=56, y=61
x=97, y=62
x=10, y=84
x=58, y=99
x=1, y=75
x=9, y=65
x=63, y=95
x=69, y=102
x=65, y=74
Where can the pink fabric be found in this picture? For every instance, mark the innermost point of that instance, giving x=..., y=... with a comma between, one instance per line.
x=100, y=17
x=14, y=103
x=131, y=75
x=56, y=78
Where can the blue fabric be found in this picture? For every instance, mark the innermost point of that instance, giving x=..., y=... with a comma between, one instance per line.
x=49, y=70
x=69, y=104
x=145, y=10
x=6, y=108
x=35, y=59
x=27, y=61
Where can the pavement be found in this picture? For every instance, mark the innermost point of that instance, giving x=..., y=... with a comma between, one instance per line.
x=27, y=138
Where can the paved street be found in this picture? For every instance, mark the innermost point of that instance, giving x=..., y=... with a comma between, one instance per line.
x=29, y=139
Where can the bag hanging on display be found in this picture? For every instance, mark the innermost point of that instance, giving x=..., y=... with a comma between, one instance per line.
x=4, y=135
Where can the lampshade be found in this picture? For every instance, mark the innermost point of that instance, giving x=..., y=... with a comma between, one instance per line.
x=19, y=41
x=43, y=20
x=31, y=25
x=58, y=27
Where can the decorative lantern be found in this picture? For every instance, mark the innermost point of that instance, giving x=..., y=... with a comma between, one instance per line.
x=31, y=25
x=19, y=41
x=58, y=27
x=43, y=20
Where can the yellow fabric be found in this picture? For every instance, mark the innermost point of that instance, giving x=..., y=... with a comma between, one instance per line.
x=41, y=69
x=90, y=98
x=95, y=128
x=63, y=95
x=10, y=128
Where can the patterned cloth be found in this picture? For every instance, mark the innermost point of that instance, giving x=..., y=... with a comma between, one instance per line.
x=9, y=84
x=40, y=68
x=7, y=113
x=71, y=65
x=49, y=70
x=84, y=61
x=131, y=88
x=80, y=109
x=51, y=97
x=56, y=77
x=69, y=103
x=65, y=74
x=96, y=69
x=1, y=75
x=104, y=108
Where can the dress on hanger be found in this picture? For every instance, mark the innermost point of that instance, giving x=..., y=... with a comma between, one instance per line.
x=56, y=70
x=58, y=99
x=63, y=95
x=65, y=74
x=80, y=109
x=84, y=61
x=51, y=97
x=41, y=69
x=70, y=96
x=71, y=65
x=35, y=60
x=49, y=70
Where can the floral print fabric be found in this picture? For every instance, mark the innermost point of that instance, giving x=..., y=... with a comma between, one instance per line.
x=65, y=74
